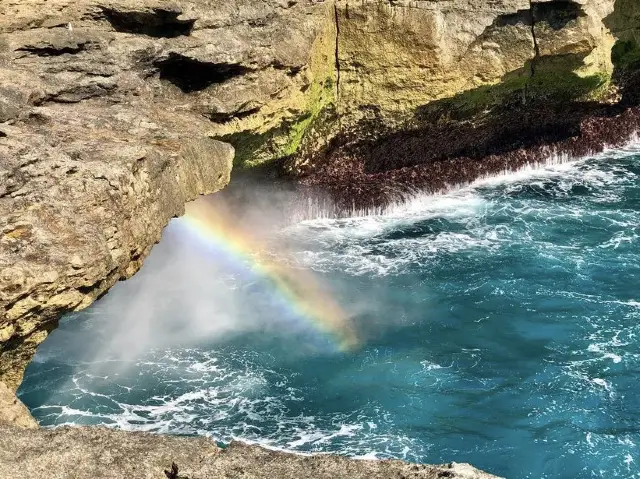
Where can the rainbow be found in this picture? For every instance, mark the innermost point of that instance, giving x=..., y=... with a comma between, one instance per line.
x=301, y=292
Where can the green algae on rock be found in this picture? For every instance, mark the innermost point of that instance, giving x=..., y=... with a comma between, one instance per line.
x=279, y=129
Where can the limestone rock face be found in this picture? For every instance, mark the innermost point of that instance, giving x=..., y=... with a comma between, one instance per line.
x=396, y=56
x=103, y=453
x=85, y=192
x=97, y=153
x=13, y=412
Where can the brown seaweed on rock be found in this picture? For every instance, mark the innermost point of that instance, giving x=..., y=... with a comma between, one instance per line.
x=375, y=173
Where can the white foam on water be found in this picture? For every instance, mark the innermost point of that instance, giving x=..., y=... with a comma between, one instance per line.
x=227, y=396
x=596, y=348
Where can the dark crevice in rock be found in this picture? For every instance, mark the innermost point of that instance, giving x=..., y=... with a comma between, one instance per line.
x=626, y=74
x=100, y=286
x=86, y=290
x=192, y=75
x=159, y=22
x=226, y=117
x=521, y=17
x=262, y=21
x=291, y=71
x=78, y=94
x=624, y=24
x=52, y=51
x=536, y=46
x=557, y=14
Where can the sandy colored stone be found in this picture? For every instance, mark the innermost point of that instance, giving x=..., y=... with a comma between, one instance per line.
x=12, y=411
x=103, y=453
x=96, y=192
x=397, y=56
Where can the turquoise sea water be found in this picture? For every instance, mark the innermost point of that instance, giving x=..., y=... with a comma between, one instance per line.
x=499, y=326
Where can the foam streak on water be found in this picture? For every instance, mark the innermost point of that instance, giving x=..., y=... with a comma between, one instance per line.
x=499, y=326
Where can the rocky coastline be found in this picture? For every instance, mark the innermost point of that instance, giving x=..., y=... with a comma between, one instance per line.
x=352, y=176
x=115, y=113
x=106, y=453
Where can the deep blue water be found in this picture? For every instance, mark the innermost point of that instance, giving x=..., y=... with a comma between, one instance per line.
x=498, y=323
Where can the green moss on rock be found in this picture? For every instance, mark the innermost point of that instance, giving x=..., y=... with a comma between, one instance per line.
x=285, y=132
x=321, y=97
x=254, y=148
x=553, y=81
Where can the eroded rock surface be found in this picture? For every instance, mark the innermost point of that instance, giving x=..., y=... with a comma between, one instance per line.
x=84, y=195
x=109, y=114
x=433, y=94
x=114, y=113
x=13, y=412
x=104, y=453
x=397, y=56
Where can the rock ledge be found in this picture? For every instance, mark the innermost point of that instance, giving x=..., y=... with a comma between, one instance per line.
x=104, y=453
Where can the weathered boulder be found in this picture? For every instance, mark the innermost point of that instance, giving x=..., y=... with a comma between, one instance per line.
x=13, y=412
x=104, y=453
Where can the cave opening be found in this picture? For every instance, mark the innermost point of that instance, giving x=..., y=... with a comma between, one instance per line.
x=160, y=22
x=191, y=75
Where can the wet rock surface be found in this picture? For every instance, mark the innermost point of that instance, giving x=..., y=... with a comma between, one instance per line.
x=104, y=453
x=358, y=176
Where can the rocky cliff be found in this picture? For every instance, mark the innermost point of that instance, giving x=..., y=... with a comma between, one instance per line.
x=436, y=93
x=396, y=57
x=108, y=114
x=110, y=111
x=114, y=113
